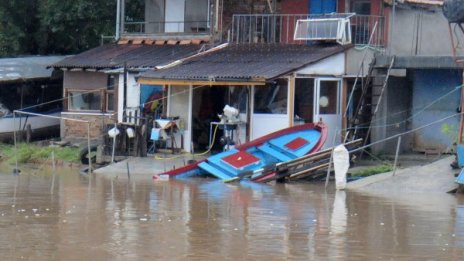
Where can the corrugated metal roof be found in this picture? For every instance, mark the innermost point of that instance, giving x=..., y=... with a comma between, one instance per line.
x=247, y=62
x=112, y=56
x=33, y=67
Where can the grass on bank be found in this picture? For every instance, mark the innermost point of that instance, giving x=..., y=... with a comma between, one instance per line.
x=31, y=153
x=369, y=171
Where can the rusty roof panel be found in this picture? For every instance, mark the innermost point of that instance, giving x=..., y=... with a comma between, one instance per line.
x=247, y=62
x=114, y=56
x=26, y=68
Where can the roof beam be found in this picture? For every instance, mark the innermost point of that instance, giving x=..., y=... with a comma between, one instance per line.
x=190, y=82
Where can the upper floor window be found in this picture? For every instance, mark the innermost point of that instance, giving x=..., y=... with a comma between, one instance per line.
x=360, y=7
x=160, y=16
x=81, y=100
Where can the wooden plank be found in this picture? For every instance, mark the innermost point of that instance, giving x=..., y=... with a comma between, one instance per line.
x=304, y=173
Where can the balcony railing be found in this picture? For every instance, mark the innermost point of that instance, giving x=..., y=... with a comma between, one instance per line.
x=163, y=27
x=280, y=28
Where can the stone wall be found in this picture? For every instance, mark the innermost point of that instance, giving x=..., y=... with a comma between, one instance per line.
x=73, y=130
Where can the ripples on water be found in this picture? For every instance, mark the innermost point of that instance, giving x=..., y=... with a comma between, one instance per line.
x=82, y=218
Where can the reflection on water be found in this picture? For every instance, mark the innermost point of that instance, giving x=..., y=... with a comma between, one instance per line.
x=73, y=217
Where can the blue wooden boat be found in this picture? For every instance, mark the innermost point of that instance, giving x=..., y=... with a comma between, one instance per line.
x=280, y=146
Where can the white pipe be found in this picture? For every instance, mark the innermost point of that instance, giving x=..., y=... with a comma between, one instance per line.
x=177, y=62
x=48, y=116
x=118, y=19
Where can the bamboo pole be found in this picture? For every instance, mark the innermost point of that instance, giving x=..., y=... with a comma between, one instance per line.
x=303, y=172
x=396, y=155
x=331, y=159
x=88, y=147
x=16, y=170
x=461, y=125
x=114, y=146
x=52, y=188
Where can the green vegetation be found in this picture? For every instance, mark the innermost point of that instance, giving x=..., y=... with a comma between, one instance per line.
x=373, y=170
x=29, y=153
x=30, y=27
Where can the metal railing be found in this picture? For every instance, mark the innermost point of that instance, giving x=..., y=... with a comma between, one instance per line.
x=164, y=27
x=104, y=39
x=280, y=28
x=362, y=27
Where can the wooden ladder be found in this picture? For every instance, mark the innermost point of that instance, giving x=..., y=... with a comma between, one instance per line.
x=379, y=101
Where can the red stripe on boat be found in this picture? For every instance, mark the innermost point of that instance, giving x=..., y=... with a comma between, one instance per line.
x=240, y=159
x=296, y=143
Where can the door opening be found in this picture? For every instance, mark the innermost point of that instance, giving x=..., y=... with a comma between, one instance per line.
x=327, y=107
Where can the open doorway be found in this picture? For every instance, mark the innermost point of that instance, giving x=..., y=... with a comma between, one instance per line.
x=304, y=99
x=207, y=104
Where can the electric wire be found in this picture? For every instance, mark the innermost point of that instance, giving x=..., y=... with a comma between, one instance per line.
x=199, y=154
x=423, y=109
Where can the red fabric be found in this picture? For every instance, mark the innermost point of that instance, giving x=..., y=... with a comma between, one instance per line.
x=296, y=143
x=240, y=159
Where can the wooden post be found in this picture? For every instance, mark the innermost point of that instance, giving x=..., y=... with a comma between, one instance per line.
x=28, y=133
x=461, y=125
x=396, y=155
x=128, y=171
x=88, y=147
x=16, y=171
x=329, y=168
x=114, y=147
x=291, y=100
x=52, y=188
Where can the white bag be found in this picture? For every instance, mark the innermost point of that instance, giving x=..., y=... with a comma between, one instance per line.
x=341, y=159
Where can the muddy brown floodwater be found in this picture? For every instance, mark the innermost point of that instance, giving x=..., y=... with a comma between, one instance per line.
x=75, y=217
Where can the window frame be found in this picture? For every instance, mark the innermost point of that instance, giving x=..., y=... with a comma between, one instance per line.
x=102, y=92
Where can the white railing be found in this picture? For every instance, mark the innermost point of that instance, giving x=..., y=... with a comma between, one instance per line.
x=163, y=27
x=280, y=28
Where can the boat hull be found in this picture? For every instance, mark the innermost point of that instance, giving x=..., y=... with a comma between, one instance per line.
x=283, y=145
x=40, y=126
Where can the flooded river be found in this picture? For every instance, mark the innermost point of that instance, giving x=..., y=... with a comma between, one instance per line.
x=68, y=216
